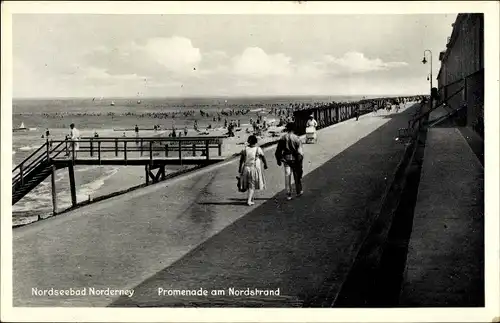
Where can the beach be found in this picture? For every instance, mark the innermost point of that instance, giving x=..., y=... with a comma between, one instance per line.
x=190, y=117
x=97, y=181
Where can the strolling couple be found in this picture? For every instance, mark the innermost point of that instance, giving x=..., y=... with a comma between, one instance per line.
x=289, y=153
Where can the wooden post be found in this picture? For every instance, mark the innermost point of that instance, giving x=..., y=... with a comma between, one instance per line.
x=21, y=170
x=162, y=169
x=180, y=151
x=125, y=151
x=207, y=150
x=73, y=149
x=99, y=152
x=220, y=148
x=194, y=150
x=166, y=150
x=91, y=147
x=53, y=186
x=151, y=150
x=72, y=185
x=116, y=147
x=146, y=168
x=142, y=141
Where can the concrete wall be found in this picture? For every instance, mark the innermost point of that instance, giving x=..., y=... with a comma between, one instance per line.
x=462, y=65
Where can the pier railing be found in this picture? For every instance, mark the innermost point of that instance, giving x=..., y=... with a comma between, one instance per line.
x=129, y=148
x=117, y=148
x=151, y=152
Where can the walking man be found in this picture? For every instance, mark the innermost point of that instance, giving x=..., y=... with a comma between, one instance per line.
x=75, y=137
x=289, y=152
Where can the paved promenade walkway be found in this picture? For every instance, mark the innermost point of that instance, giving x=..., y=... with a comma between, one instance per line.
x=196, y=231
x=445, y=263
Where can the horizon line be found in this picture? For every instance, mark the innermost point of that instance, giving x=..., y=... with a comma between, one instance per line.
x=215, y=96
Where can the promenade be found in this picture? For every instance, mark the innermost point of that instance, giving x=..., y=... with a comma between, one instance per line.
x=445, y=263
x=195, y=231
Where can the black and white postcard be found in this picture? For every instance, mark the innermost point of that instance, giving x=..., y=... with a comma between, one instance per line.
x=250, y=161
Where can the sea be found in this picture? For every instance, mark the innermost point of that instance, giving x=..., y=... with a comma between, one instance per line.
x=111, y=117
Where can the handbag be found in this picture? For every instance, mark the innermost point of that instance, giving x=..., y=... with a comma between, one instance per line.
x=239, y=185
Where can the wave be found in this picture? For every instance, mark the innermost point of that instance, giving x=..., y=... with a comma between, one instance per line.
x=28, y=148
x=30, y=206
x=85, y=169
x=87, y=191
x=40, y=199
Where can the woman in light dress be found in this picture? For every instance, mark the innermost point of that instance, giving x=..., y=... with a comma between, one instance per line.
x=250, y=169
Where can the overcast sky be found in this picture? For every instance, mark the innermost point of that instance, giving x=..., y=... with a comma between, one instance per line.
x=77, y=55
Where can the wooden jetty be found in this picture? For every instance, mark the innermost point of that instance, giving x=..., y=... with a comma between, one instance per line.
x=154, y=153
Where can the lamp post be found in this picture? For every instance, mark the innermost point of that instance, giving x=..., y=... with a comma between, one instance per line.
x=425, y=61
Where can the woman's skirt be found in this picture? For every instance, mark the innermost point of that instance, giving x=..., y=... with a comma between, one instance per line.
x=253, y=178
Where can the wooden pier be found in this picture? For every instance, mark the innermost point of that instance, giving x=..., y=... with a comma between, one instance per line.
x=154, y=153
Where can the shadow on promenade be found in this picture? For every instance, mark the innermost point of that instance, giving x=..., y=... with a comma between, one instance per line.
x=294, y=246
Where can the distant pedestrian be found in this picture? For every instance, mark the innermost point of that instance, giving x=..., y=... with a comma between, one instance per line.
x=290, y=152
x=185, y=131
x=136, y=130
x=312, y=123
x=230, y=130
x=356, y=113
x=250, y=169
x=75, y=136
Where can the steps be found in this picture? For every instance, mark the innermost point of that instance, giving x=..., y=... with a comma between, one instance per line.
x=31, y=180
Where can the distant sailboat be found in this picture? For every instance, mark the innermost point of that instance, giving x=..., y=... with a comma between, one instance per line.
x=21, y=128
x=112, y=103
